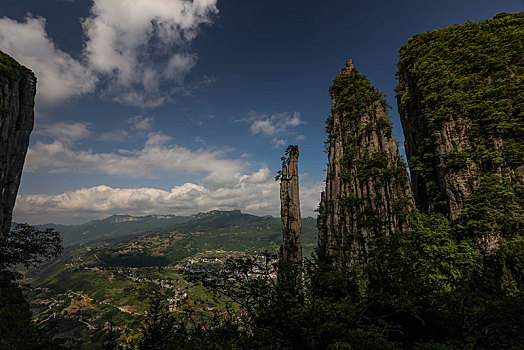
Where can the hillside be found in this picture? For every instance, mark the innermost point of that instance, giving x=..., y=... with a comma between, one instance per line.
x=227, y=231
x=94, y=283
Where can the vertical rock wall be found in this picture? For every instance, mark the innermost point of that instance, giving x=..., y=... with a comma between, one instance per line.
x=367, y=186
x=17, y=99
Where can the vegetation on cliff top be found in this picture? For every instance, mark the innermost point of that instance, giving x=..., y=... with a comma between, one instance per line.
x=11, y=68
x=471, y=77
x=356, y=100
x=474, y=74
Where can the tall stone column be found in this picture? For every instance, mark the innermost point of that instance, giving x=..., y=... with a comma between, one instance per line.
x=291, y=249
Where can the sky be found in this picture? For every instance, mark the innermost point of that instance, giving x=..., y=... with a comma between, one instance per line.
x=179, y=107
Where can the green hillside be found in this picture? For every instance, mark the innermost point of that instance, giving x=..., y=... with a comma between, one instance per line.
x=98, y=282
x=227, y=231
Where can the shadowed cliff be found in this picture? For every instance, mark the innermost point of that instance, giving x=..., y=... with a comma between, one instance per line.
x=17, y=100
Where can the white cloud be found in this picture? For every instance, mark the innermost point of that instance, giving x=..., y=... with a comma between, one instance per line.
x=141, y=45
x=198, y=139
x=139, y=50
x=66, y=132
x=140, y=123
x=220, y=182
x=156, y=156
x=114, y=136
x=277, y=143
x=201, y=120
x=59, y=75
x=270, y=125
x=256, y=193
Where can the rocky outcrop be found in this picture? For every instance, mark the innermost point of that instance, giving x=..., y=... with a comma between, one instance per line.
x=367, y=185
x=461, y=104
x=17, y=99
x=291, y=249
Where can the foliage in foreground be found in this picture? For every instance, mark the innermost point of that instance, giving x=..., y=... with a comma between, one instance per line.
x=425, y=289
x=24, y=246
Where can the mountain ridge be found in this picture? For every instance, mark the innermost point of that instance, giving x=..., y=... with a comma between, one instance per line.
x=123, y=226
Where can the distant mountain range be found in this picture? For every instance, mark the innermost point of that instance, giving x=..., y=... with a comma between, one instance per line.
x=113, y=228
x=124, y=227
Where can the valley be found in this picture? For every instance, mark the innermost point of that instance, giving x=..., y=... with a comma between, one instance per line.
x=107, y=284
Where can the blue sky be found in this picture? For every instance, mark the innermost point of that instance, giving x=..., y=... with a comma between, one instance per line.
x=167, y=106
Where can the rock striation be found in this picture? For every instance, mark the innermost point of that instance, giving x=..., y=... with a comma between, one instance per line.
x=17, y=99
x=367, y=190
x=461, y=102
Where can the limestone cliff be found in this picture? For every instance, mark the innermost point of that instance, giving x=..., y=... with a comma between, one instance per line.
x=367, y=186
x=461, y=102
x=17, y=99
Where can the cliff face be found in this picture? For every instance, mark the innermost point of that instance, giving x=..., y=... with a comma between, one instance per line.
x=17, y=99
x=291, y=249
x=461, y=104
x=367, y=186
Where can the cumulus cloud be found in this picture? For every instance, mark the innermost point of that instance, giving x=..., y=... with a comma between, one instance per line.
x=59, y=75
x=142, y=45
x=157, y=156
x=255, y=193
x=270, y=125
x=138, y=50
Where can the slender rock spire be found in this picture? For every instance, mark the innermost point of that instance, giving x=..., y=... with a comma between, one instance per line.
x=291, y=249
x=290, y=208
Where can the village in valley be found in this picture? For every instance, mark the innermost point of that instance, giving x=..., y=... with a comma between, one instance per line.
x=99, y=287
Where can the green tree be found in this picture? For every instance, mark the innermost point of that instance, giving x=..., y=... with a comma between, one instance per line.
x=24, y=246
